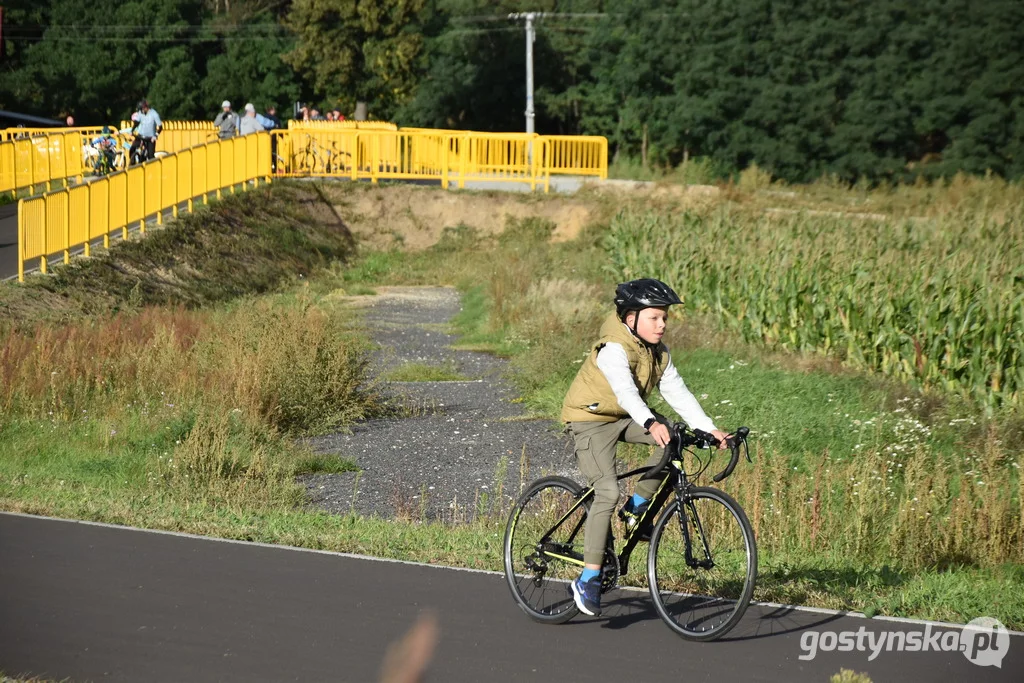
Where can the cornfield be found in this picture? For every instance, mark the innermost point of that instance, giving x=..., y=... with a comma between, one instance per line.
x=938, y=302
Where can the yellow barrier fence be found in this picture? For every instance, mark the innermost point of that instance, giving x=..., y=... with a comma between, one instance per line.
x=447, y=156
x=576, y=155
x=179, y=135
x=294, y=124
x=19, y=133
x=200, y=164
x=57, y=222
x=28, y=162
x=176, y=138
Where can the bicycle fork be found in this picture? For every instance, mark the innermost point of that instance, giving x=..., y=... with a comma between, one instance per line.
x=698, y=528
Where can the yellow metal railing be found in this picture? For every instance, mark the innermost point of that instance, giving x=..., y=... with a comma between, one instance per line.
x=39, y=158
x=19, y=133
x=576, y=154
x=34, y=157
x=447, y=156
x=198, y=163
x=341, y=125
x=179, y=135
x=358, y=150
x=57, y=222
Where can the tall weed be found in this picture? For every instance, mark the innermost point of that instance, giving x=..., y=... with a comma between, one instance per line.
x=295, y=367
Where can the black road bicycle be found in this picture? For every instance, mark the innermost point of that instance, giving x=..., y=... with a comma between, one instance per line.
x=702, y=558
x=320, y=160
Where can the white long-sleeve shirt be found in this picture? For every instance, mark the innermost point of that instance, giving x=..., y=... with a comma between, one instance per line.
x=614, y=365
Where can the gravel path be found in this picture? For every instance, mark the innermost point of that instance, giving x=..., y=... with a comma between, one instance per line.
x=447, y=459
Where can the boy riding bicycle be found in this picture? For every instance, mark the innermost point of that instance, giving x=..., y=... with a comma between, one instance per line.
x=607, y=403
x=105, y=148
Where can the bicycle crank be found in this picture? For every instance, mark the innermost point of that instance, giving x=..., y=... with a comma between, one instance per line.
x=610, y=571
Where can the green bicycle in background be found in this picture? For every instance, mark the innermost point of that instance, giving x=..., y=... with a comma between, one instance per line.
x=702, y=558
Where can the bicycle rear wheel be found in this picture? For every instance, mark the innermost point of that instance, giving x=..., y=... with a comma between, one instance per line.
x=536, y=573
x=703, y=596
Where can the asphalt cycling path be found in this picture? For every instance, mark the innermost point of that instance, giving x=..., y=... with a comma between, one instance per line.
x=87, y=602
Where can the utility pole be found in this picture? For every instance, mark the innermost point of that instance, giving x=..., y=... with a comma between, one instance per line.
x=531, y=35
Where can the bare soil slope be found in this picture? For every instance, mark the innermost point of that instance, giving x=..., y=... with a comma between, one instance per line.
x=414, y=217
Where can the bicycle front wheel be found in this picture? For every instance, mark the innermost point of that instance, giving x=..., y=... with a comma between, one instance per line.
x=702, y=564
x=544, y=549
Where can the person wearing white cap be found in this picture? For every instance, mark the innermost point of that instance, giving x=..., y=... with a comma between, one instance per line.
x=249, y=124
x=226, y=121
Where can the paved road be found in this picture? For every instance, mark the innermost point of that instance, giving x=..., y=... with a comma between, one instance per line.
x=101, y=603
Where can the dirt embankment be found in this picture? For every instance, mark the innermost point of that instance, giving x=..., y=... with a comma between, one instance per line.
x=244, y=244
x=414, y=217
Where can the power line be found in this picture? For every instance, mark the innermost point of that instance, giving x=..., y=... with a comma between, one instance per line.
x=164, y=33
x=546, y=15
x=145, y=27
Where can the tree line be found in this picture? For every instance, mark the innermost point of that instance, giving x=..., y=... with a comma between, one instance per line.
x=886, y=90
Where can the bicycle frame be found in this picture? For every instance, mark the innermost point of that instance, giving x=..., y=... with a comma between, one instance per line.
x=680, y=486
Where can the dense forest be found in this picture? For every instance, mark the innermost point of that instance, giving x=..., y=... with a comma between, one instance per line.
x=875, y=89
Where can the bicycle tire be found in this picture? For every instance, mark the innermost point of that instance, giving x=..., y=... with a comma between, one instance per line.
x=702, y=603
x=540, y=583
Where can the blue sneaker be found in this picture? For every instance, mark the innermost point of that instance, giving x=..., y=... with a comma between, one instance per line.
x=587, y=595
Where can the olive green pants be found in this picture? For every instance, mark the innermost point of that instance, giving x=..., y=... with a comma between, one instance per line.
x=595, y=453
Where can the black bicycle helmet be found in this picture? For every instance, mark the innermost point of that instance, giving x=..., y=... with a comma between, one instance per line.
x=645, y=293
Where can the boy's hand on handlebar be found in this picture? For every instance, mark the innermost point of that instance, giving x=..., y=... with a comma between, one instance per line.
x=660, y=434
x=721, y=436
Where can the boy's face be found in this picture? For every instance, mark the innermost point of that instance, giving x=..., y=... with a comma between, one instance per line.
x=650, y=324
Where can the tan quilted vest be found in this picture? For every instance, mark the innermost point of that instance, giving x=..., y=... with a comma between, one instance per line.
x=590, y=398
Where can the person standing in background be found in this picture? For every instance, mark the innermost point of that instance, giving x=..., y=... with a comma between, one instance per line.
x=271, y=116
x=248, y=123
x=226, y=121
x=275, y=124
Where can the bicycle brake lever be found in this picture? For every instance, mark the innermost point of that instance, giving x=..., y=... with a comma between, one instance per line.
x=741, y=435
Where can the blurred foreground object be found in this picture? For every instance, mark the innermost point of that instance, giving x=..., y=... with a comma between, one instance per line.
x=407, y=660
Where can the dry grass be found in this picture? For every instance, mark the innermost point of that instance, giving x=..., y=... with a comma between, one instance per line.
x=295, y=367
x=903, y=506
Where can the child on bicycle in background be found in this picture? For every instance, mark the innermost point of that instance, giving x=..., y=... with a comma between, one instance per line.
x=105, y=146
x=607, y=403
